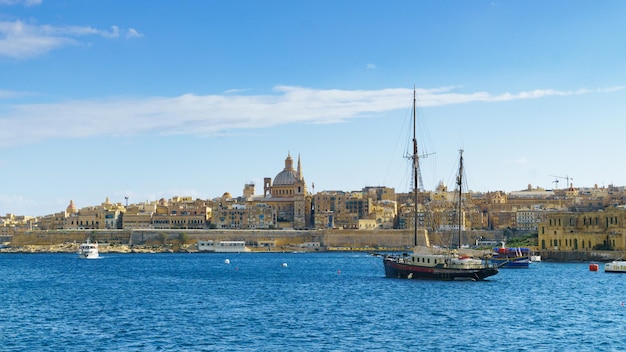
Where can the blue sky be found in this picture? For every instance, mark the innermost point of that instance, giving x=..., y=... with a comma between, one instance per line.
x=196, y=98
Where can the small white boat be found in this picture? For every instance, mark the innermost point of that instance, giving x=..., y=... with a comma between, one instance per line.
x=88, y=250
x=536, y=257
x=616, y=266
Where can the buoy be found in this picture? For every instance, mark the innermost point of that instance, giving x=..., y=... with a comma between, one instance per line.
x=226, y=261
x=284, y=265
x=593, y=267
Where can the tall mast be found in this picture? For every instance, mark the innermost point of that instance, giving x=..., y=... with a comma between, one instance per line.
x=459, y=182
x=415, y=170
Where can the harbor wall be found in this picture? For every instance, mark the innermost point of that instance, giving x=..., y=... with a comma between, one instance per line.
x=586, y=256
x=327, y=238
x=349, y=240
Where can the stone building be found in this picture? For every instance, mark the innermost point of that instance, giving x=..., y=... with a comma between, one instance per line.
x=583, y=231
x=370, y=208
x=248, y=216
x=288, y=195
x=139, y=216
x=12, y=223
x=181, y=213
x=104, y=216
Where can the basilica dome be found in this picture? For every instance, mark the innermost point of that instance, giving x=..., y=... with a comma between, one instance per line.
x=289, y=176
x=286, y=177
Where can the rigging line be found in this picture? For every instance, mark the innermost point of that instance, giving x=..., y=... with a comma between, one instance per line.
x=426, y=144
x=395, y=152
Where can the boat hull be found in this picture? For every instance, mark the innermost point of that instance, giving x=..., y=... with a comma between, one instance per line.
x=395, y=269
x=88, y=255
x=618, y=266
x=512, y=263
x=513, y=257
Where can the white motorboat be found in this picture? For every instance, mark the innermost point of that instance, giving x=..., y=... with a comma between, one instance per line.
x=88, y=250
x=616, y=266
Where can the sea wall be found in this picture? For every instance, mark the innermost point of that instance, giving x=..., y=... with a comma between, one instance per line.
x=586, y=256
x=326, y=238
x=376, y=240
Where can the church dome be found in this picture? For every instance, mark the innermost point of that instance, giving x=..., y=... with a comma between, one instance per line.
x=288, y=176
x=71, y=209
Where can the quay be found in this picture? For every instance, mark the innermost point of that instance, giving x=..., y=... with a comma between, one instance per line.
x=171, y=240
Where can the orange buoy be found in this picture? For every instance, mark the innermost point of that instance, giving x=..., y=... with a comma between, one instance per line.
x=593, y=267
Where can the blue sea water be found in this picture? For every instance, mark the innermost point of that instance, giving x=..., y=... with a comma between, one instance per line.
x=317, y=302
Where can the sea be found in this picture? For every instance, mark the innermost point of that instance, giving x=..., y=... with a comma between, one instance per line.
x=298, y=302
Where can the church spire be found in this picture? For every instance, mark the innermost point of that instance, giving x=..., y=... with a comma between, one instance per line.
x=300, y=175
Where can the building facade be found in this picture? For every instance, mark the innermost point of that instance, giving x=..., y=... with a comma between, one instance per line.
x=583, y=231
x=288, y=195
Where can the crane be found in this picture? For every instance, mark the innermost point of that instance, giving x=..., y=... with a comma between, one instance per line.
x=556, y=180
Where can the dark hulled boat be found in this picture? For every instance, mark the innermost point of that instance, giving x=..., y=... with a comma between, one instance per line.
x=511, y=257
x=435, y=266
x=432, y=263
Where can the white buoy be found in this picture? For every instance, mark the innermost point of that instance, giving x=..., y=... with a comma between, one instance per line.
x=284, y=265
x=226, y=261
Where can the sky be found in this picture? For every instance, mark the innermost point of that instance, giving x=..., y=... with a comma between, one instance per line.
x=149, y=100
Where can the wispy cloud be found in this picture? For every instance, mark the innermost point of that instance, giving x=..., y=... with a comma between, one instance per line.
x=216, y=114
x=7, y=94
x=236, y=90
x=445, y=96
x=22, y=40
x=370, y=66
x=133, y=33
x=20, y=2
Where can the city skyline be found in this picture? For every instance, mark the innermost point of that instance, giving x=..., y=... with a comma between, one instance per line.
x=197, y=99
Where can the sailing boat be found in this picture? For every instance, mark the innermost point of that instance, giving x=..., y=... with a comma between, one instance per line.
x=429, y=263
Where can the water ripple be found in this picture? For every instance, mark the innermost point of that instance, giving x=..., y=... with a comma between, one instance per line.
x=319, y=302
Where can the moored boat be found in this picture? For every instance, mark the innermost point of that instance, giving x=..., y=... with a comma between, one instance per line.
x=616, y=266
x=426, y=263
x=88, y=250
x=511, y=257
x=222, y=246
x=435, y=263
x=535, y=257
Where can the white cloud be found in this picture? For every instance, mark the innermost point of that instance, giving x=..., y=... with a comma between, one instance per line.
x=216, y=114
x=20, y=2
x=21, y=40
x=7, y=94
x=371, y=66
x=133, y=33
x=236, y=90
